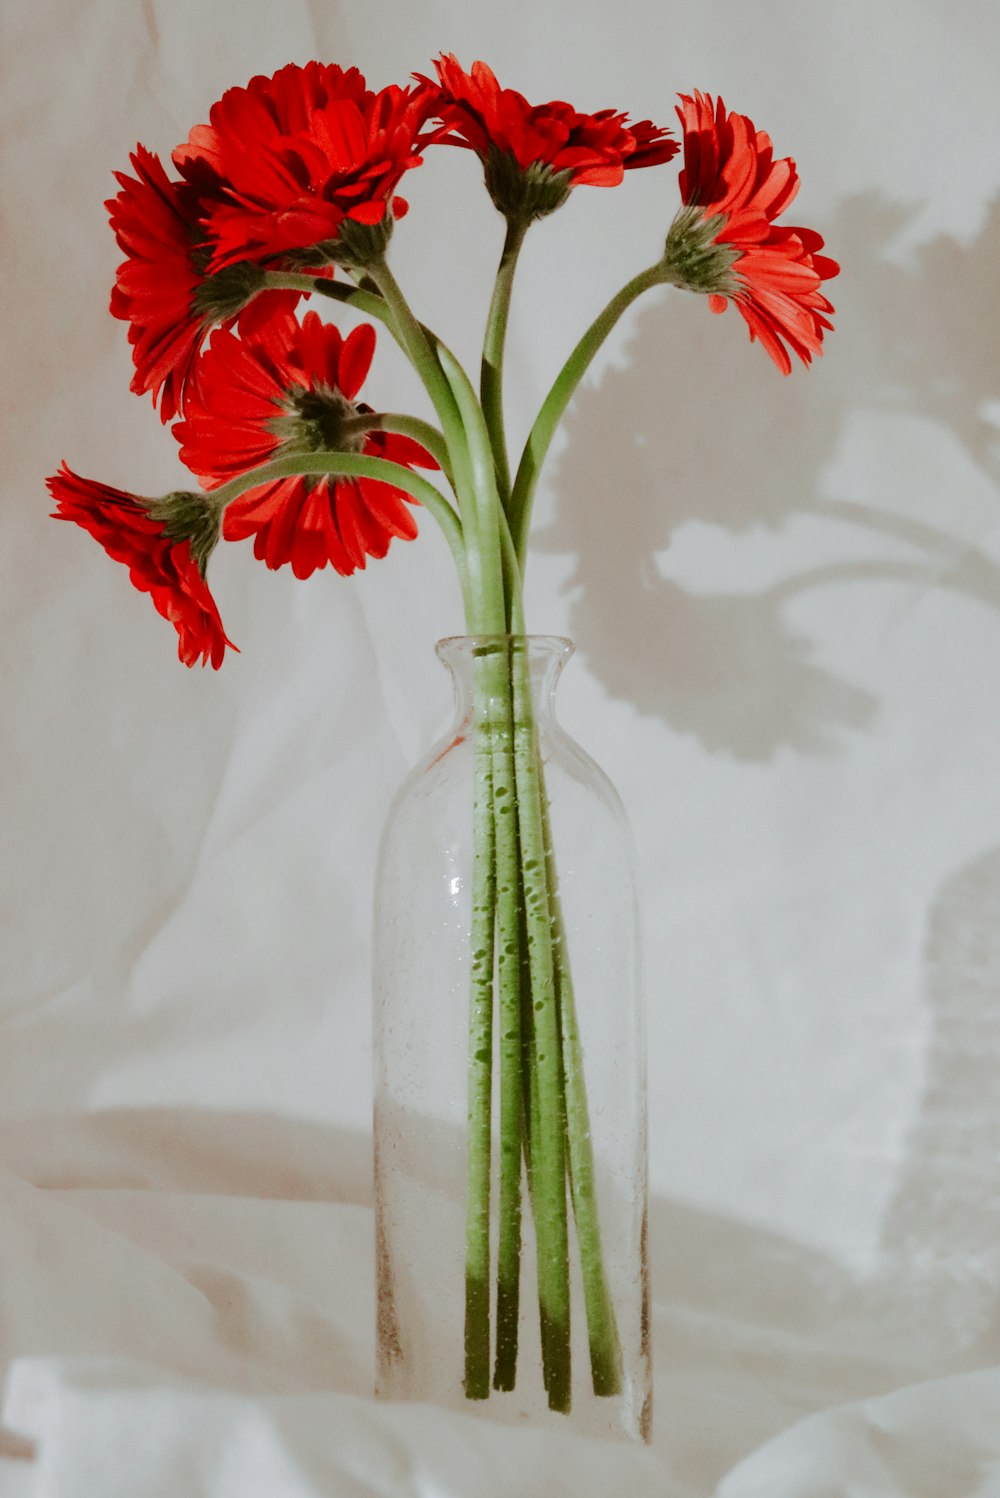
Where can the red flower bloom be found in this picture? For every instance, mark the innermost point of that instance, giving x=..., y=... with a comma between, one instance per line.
x=163, y=289
x=731, y=178
x=158, y=563
x=594, y=149
x=285, y=389
x=296, y=154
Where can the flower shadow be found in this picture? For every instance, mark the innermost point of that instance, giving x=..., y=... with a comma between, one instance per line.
x=738, y=454
x=754, y=1331
x=941, y=1231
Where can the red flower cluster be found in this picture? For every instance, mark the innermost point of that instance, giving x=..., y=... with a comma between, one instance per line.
x=730, y=174
x=158, y=565
x=287, y=389
x=301, y=169
x=282, y=164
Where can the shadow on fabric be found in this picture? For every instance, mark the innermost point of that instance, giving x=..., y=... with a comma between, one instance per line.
x=739, y=449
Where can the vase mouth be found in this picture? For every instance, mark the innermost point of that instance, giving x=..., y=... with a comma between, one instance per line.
x=536, y=644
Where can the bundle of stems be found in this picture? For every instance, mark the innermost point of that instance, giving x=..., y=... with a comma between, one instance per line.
x=521, y=984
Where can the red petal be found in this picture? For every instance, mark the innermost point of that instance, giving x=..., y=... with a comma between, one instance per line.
x=356, y=358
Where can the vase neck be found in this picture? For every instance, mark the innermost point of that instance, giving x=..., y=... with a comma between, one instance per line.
x=473, y=661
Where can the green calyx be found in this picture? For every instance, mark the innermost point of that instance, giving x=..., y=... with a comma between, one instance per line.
x=193, y=517
x=357, y=247
x=523, y=194
x=321, y=420
x=694, y=261
x=226, y=293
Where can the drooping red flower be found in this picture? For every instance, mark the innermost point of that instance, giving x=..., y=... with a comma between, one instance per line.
x=159, y=564
x=286, y=389
x=577, y=149
x=295, y=155
x=163, y=289
x=734, y=190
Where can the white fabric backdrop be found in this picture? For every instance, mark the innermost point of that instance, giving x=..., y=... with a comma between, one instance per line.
x=786, y=597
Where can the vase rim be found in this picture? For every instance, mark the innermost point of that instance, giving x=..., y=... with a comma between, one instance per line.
x=541, y=651
x=563, y=641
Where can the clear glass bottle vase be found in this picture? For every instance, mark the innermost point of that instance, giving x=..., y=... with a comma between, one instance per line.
x=510, y=1086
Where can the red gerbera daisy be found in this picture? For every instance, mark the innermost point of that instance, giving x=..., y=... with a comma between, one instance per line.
x=534, y=153
x=289, y=389
x=163, y=290
x=139, y=532
x=724, y=241
x=298, y=154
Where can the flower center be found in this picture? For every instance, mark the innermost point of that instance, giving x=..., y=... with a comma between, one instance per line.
x=319, y=420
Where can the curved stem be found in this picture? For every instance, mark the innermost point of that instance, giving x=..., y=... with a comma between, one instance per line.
x=373, y=304
x=338, y=291
x=424, y=351
x=486, y=504
x=491, y=374
x=421, y=431
x=418, y=345
x=356, y=465
x=558, y=399
x=362, y=299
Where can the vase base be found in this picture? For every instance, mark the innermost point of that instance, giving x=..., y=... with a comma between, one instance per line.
x=615, y=1419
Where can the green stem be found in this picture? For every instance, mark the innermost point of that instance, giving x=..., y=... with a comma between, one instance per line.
x=513, y=588
x=478, y=1157
x=548, y=1158
x=494, y=704
x=485, y=500
x=533, y=810
x=482, y=606
x=419, y=347
x=543, y=1105
x=491, y=373
x=515, y=1001
x=356, y=465
x=602, y=1326
x=509, y=904
x=416, y=337
x=412, y=336
x=474, y=483
x=426, y=354
x=559, y=397
x=373, y=304
x=338, y=291
x=421, y=431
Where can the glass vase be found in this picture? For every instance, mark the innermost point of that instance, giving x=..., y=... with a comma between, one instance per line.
x=510, y=1088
